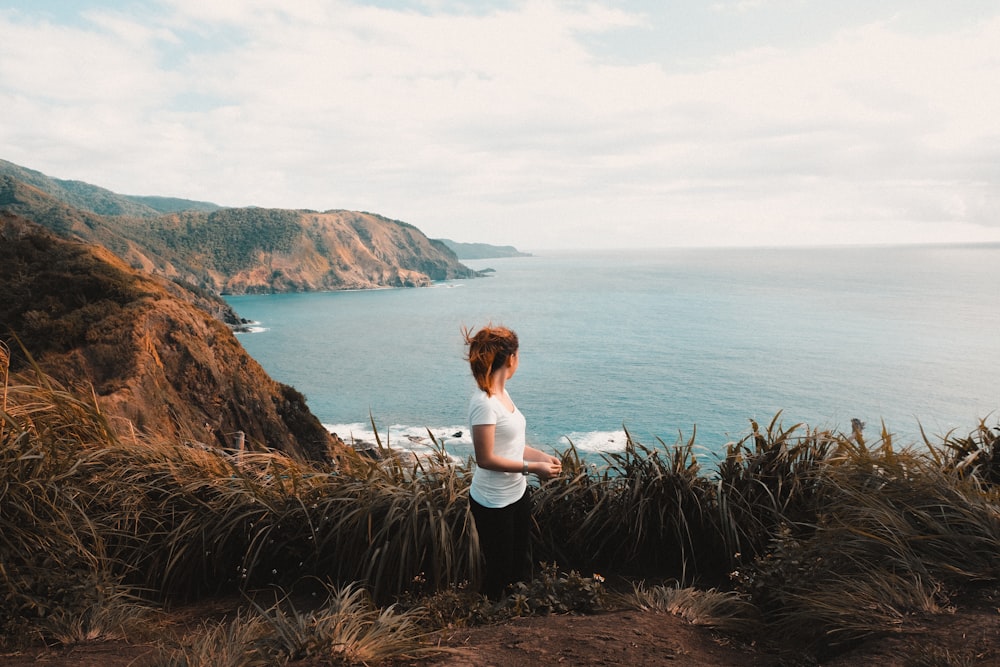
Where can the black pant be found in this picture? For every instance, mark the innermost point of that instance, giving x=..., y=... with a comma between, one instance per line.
x=505, y=543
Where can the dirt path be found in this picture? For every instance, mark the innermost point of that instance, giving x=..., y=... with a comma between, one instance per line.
x=615, y=638
x=968, y=636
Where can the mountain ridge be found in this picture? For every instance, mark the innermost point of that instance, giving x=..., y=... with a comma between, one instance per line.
x=234, y=250
x=96, y=199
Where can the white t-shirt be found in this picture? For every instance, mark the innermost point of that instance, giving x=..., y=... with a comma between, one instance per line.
x=491, y=488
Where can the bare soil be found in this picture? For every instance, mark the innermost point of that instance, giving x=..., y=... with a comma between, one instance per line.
x=969, y=635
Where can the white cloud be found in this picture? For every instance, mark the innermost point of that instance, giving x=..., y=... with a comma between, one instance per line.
x=506, y=125
x=739, y=6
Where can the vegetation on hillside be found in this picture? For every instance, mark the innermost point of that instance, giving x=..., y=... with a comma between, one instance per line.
x=233, y=250
x=78, y=194
x=228, y=240
x=814, y=538
x=55, y=293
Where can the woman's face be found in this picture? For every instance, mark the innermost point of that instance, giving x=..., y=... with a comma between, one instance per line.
x=512, y=363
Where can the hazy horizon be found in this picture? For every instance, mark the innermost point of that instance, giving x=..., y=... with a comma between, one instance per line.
x=537, y=124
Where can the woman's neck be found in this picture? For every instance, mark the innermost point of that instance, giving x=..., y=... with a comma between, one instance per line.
x=498, y=382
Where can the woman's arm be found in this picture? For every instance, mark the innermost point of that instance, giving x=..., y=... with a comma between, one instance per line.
x=482, y=440
x=532, y=454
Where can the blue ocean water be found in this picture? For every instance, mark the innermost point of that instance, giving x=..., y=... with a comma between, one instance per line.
x=659, y=342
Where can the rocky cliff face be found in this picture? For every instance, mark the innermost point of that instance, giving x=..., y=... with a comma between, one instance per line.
x=156, y=361
x=300, y=251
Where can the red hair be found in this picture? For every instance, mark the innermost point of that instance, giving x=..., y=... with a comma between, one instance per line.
x=489, y=349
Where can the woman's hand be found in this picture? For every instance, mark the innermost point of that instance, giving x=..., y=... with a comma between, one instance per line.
x=542, y=464
x=546, y=469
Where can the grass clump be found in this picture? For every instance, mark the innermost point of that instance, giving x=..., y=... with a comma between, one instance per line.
x=55, y=572
x=347, y=629
x=726, y=611
x=768, y=480
x=104, y=612
x=976, y=455
x=226, y=643
x=646, y=512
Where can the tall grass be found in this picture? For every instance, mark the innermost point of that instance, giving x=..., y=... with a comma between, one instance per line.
x=51, y=548
x=191, y=522
x=767, y=481
x=647, y=512
x=893, y=531
x=829, y=537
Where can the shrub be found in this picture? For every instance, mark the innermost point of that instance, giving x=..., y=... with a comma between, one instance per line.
x=554, y=592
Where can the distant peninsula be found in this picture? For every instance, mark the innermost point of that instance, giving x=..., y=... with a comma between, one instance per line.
x=482, y=250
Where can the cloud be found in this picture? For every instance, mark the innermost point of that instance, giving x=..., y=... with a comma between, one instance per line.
x=739, y=6
x=506, y=125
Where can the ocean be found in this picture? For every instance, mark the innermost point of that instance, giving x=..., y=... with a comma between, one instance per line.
x=668, y=344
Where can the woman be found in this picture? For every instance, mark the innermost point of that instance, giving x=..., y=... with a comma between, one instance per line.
x=499, y=497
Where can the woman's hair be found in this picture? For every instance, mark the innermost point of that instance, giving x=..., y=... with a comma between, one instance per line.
x=489, y=349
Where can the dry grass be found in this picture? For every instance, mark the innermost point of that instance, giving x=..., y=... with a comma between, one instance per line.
x=726, y=611
x=825, y=537
x=227, y=643
x=348, y=629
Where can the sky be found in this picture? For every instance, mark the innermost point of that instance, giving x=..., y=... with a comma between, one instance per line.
x=541, y=124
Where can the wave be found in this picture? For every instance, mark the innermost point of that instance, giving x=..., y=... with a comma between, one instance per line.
x=595, y=442
x=252, y=327
x=457, y=440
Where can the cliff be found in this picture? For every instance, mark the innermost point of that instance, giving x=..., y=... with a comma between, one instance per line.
x=241, y=251
x=233, y=250
x=155, y=359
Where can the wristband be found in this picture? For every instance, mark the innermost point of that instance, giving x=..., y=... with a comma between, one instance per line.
x=524, y=469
